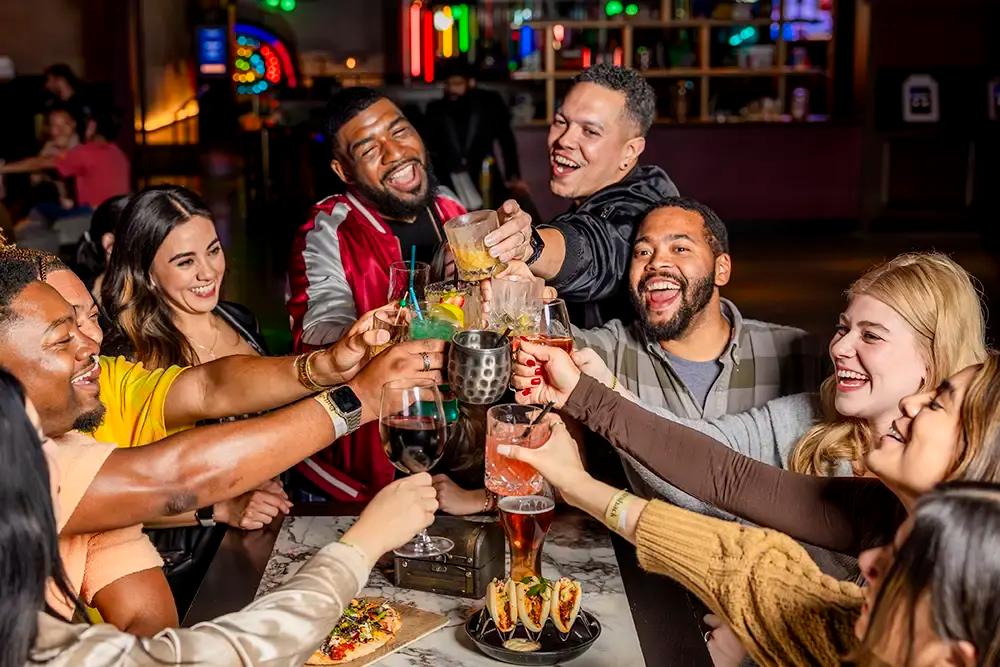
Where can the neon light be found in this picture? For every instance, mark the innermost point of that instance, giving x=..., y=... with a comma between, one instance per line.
x=559, y=32
x=585, y=57
x=613, y=8
x=442, y=19
x=428, y=43
x=616, y=56
x=288, y=5
x=461, y=13
x=415, y=39
x=251, y=33
x=632, y=9
x=448, y=34
x=527, y=41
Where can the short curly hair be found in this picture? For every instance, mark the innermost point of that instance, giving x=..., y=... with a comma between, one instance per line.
x=640, y=100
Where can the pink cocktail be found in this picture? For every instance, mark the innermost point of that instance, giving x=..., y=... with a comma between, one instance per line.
x=511, y=425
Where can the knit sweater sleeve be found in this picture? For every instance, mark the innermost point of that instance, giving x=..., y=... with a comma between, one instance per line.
x=845, y=514
x=782, y=608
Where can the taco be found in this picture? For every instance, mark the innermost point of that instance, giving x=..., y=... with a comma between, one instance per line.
x=566, y=596
x=534, y=597
x=500, y=596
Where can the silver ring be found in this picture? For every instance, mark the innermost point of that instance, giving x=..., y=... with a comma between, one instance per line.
x=524, y=237
x=708, y=636
x=427, y=361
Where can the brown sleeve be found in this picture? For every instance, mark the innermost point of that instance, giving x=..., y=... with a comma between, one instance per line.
x=843, y=514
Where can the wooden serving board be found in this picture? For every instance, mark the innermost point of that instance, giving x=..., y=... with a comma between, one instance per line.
x=417, y=624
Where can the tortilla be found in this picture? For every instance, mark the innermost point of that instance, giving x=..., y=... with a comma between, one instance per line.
x=500, y=602
x=365, y=626
x=566, y=597
x=533, y=609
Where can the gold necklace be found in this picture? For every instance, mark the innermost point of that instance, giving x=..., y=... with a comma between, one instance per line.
x=208, y=350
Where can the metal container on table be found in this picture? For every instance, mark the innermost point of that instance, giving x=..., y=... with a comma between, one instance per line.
x=479, y=366
x=466, y=570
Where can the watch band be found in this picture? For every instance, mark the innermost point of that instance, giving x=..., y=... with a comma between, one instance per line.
x=537, y=246
x=352, y=419
x=205, y=516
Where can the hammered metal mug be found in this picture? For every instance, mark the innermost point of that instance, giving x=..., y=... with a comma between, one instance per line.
x=479, y=366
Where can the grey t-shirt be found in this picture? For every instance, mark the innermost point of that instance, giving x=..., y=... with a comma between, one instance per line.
x=698, y=376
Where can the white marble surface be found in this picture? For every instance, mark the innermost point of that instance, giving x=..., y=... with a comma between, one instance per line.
x=576, y=547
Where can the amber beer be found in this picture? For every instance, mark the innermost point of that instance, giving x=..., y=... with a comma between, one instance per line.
x=526, y=521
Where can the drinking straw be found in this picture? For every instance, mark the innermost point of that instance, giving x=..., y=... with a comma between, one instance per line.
x=538, y=418
x=416, y=306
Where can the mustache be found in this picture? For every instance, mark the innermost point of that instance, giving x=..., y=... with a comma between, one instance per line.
x=401, y=163
x=681, y=280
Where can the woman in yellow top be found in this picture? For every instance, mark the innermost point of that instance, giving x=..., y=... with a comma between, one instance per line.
x=933, y=594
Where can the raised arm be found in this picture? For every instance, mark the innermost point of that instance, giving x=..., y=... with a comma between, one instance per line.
x=240, y=384
x=27, y=165
x=202, y=466
x=844, y=514
x=840, y=513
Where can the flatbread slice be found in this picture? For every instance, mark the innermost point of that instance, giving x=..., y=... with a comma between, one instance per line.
x=366, y=625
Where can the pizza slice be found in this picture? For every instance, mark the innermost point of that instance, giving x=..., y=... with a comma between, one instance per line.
x=366, y=625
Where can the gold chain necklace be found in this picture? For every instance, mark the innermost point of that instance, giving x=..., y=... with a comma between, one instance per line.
x=208, y=350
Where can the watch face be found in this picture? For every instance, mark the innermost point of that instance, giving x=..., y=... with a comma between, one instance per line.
x=345, y=400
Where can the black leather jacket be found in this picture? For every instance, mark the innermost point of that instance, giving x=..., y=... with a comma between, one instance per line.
x=599, y=234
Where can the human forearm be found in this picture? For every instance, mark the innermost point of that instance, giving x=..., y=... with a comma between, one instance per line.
x=593, y=497
x=238, y=385
x=834, y=513
x=551, y=260
x=279, y=629
x=140, y=603
x=199, y=467
x=181, y=520
x=27, y=165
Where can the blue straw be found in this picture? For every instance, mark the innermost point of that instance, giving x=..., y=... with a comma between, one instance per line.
x=416, y=306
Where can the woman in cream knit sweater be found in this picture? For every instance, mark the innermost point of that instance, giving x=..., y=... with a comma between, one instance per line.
x=931, y=597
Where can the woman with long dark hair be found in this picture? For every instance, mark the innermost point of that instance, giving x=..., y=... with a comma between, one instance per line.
x=281, y=628
x=163, y=282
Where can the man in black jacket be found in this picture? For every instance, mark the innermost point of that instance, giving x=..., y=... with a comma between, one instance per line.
x=595, y=141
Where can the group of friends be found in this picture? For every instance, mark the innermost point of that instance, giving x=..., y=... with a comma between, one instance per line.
x=848, y=519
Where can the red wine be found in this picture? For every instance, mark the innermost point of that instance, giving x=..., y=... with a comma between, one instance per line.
x=413, y=444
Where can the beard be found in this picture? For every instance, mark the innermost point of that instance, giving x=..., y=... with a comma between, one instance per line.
x=390, y=206
x=89, y=421
x=694, y=297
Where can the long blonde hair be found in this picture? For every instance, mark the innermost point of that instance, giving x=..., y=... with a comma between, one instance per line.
x=938, y=299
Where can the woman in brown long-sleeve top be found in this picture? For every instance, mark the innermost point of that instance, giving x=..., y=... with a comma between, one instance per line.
x=845, y=514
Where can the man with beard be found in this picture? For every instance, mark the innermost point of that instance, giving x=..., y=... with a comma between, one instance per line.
x=594, y=142
x=106, y=492
x=691, y=351
x=340, y=259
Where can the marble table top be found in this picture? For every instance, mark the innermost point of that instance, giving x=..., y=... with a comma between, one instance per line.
x=576, y=546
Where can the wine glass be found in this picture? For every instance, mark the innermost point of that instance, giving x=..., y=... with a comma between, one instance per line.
x=414, y=432
x=554, y=328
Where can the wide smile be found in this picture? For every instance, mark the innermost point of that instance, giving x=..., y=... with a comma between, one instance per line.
x=850, y=380
x=562, y=166
x=204, y=291
x=87, y=379
x=660, y=293
x=405, y=178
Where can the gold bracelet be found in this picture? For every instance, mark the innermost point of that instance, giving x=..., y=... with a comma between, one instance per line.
x=308, y=369
x=490, y=499
x=305, y=376
x=614, y=382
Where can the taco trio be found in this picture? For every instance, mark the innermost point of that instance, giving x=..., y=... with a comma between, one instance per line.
x=532, y=601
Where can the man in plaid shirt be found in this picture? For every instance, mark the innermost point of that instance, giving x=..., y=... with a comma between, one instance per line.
x=690, y=350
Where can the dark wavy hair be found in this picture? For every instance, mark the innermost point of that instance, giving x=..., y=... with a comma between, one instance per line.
x=950, y=554
x=144, y=329
x=29, y=545
x=640, y=99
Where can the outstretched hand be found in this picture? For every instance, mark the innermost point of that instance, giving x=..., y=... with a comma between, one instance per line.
x=542, y=374
x=558, y=460
x=344, y=359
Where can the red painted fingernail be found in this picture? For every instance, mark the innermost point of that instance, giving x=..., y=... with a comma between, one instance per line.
x=539, y=371
x=536, y=381
x=529, y=363
x=526, y=392
x=524, y=338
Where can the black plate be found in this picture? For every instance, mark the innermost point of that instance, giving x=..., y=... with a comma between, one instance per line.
x=585, y=631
